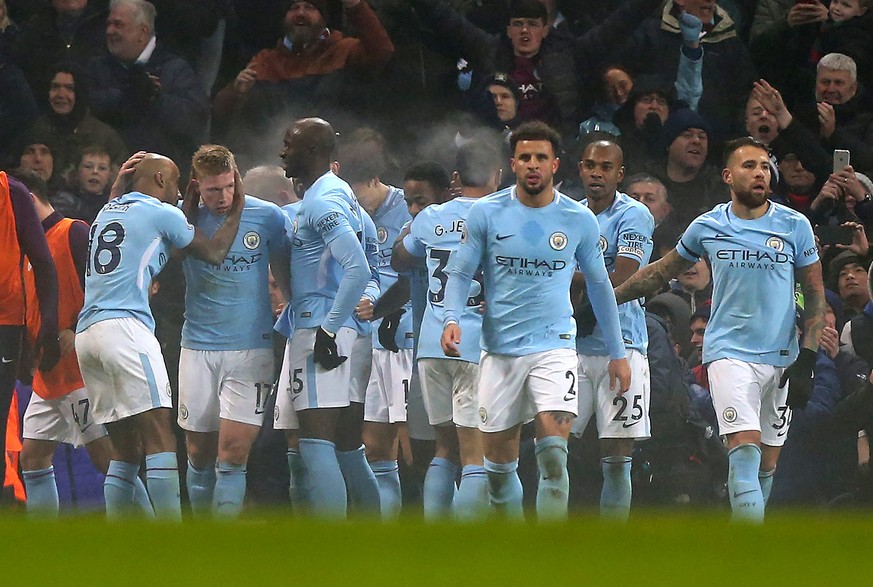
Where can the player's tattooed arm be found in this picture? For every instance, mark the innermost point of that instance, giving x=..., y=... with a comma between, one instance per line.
x=652, y=277
x=814, y=303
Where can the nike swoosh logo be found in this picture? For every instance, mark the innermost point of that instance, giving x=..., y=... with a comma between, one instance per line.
x=626, y=425
x=569, y=397
x=501, y=237
x=86, y=427
x=5, y=360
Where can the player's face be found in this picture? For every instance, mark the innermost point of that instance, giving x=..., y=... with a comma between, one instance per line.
x=748, y=176
x=601, y=170
x=834, y=86
x=534, y=164
x=293, y=156
x=419, y=195
x=760, y=123
x=698, y=328
x=93, y=173
x=39, y=159
x=654, y=196
x=690, y=148
x=62, y=93
x=526, y=35
x=216, y=192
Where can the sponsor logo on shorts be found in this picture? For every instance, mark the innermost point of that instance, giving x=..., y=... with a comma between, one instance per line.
x=558, y=241
x=483, y=415
x=169, y=390
x=381, y=235
x=251, y=240
x=729, y=415
x=276, y=413
x=183, y=411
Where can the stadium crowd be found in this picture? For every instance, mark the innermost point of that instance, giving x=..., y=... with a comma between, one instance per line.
x=398, y=115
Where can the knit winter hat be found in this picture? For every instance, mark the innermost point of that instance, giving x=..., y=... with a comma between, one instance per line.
x=681, y=120
x=320, y=5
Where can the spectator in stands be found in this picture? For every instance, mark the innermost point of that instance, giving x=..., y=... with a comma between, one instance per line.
x=799, y=184
x=693, y=185
x=69, y=122
x=498, y=105
x=728, y=70
x=615, y=89
x=63, y=30
x=8, y=28
x=650, y=191
x=146, y=93
x=641, y=119
x=838, y=199
x=545, y=66
x=87, y=186
x=268, y=182
x=304, y=71
x=694, y=285
x=847, y=274
x=35, y=152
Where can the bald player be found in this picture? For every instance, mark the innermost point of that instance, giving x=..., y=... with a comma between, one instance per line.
x=119, y=356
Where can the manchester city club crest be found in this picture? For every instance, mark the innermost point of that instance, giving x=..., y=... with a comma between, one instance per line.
x=183, y=411
x=729, y=415
x=558, y=241
x=602, y=244
x=381, y=235
x=251, y=240
x=294, y=226
x=774, y=242
x=483, y=415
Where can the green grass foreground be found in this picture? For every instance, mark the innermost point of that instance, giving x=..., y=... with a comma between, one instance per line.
x=264, y=549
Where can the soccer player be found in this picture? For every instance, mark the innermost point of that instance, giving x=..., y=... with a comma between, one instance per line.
x=362, y=163
x=757, y=249
x=20, y=235
x=119, y=356
x=59, y=409
x=528, y=240
x=330, y=274
x=626, y=241
x=226, y=361
x=449, y=384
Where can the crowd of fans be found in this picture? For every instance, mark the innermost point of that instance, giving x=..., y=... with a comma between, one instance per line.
x=85, y=83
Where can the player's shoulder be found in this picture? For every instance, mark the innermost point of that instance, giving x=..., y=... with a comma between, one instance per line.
x=786, y=213
x=719, y=215
x=291, y=210
x=627, y=206
x=497, y=200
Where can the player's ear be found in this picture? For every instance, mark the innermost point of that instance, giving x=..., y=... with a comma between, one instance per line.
x=726, y=176
x=556, y=165
x=159, y=178
x=620, y=174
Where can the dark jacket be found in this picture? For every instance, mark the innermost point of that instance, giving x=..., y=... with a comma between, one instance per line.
x=72, y=138
x=854, y=128
x=561, y=59
x=728, y=70
x=171, y=121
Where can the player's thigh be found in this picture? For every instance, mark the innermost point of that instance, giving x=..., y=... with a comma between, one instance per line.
x=625, y=415
x=246, y=384
x=388, y=388
x=436, y=390
x=76, y=410
x=199, y=380
x=123, y=369
x=775, y=413
x=360, y=365
x=313, y=386
x=589, y=374
x=736, y=396
x=551, y=381
x=503, y=400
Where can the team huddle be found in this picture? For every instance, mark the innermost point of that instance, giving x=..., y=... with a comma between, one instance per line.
x=522, y=306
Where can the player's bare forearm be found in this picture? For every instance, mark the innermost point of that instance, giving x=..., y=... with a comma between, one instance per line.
x=651, y=278
x=814, y=303
x=401, y=259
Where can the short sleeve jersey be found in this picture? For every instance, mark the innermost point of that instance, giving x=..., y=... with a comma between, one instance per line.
x=227, y=306
x=753, y=264
x=130, y=242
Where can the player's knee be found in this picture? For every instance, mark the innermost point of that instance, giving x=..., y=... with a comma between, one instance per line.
x=234, y=450
x=36, y=455
x=551, y=453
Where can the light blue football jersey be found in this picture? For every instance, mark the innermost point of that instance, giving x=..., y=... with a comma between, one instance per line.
x=528, y=256
x=390, y=217
x=227, y=306
x=753, y=263
x=329, y=210
x=373, y=289
x=625, y=231
x=130, y=242
x=285, y=322
x=434, y=236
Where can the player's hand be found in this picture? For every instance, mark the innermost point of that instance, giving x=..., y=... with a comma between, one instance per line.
x=364, y=309
x=585, y=319
x=191, y=200
x=388, y=330
x=245, y=80
x=239, y=195
x=450, y=340
x=325, y=352
x=47, y=347
x=619, y=375
x=799, y=376
x=67, y=341
x=119, y=186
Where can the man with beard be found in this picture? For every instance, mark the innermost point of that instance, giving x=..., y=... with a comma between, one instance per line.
x=309, y=50
x=529, y=239
x=758, y=249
